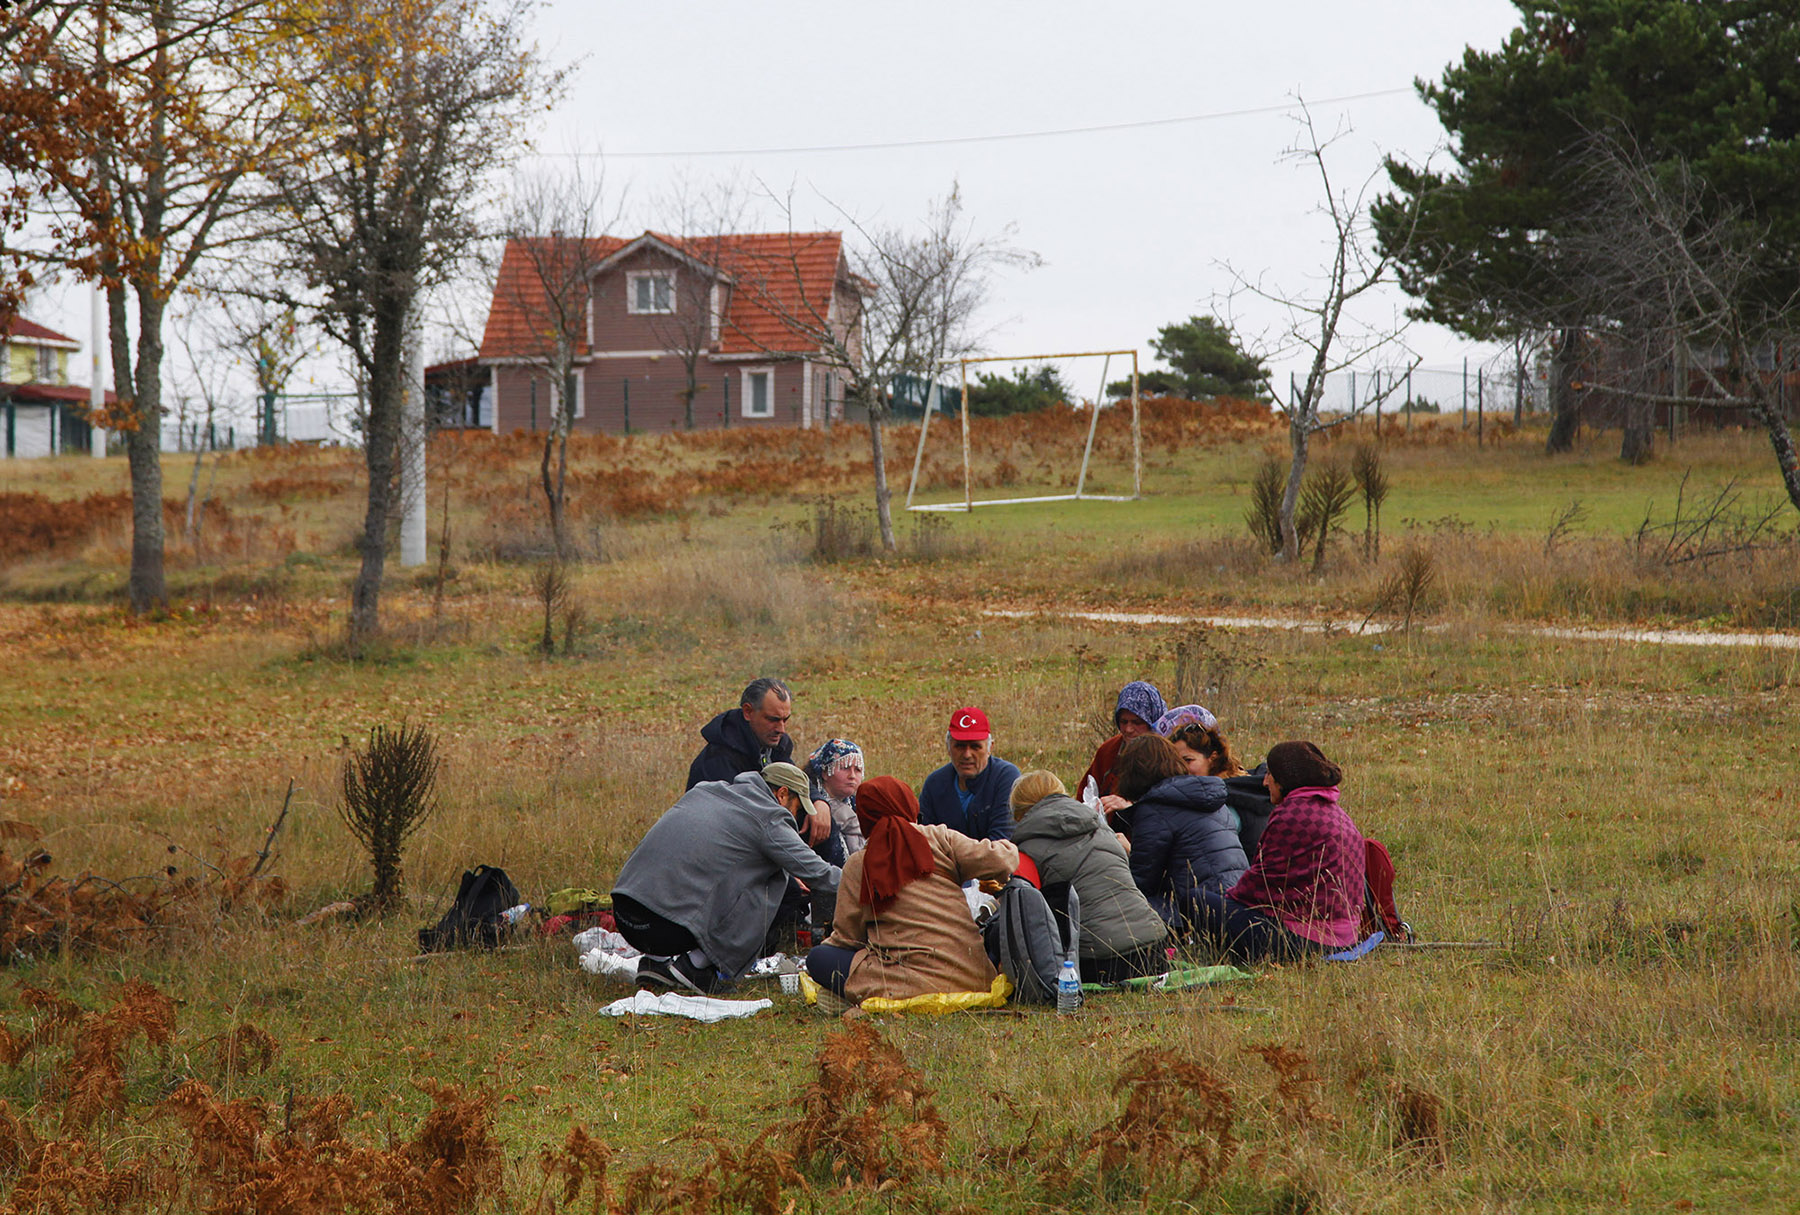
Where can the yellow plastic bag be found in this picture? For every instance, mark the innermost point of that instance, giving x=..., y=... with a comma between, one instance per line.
x=932, y=1003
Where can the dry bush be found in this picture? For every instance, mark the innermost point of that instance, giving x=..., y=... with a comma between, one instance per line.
x=42, y=914
x=1418, y=1122
x=1178, y=1123
x=32, y=524
x=1325, y=496
x=389, y=791
x=235, y=1159
x=869, y=1117
x=840, y=533
x=75, y=1177
x=1297, y=1083
x=244, y=1050
x=581, y=1161
x=1263, y=515
x=301, y=486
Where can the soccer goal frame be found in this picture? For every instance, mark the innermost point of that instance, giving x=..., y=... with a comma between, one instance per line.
x=969, y=502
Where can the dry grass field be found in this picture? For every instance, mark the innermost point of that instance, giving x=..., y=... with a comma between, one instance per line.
x=1600, y=837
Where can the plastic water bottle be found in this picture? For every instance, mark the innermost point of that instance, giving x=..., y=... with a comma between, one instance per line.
x=514, y=915
x=1068, y=988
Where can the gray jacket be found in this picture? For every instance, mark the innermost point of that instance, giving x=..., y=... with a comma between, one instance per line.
x=1068, y=843
x=717, y=863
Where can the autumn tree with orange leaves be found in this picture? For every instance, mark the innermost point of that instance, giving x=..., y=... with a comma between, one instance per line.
x=135, y=129
x=409, y=106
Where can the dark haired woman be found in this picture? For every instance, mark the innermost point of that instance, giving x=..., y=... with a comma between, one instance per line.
x=1183, y=840
x=1206, y=751
x=1304, y=893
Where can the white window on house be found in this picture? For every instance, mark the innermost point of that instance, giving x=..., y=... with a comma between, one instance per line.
x=650, y=291
x=46, y=365
x=759, y=392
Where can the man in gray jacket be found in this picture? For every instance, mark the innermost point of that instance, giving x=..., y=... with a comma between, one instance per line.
x=699, y=892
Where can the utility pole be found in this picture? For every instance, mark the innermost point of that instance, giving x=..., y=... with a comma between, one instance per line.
x=412, y=454
x=96, y=387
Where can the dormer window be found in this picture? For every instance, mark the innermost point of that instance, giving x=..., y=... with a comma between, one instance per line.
x=46, y=365
x=650, y=292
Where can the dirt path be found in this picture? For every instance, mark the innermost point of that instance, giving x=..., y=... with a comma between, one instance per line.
x=1777, y=641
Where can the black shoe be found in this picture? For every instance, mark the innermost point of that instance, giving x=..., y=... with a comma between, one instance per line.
x=672, y=974
x=655, y=974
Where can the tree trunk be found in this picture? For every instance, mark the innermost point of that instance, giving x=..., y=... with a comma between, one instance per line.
x=1769, y=414
x=1298, y=438
x=553, y=498
x=381, y=442
x=1565, y=405
x=143, y=443
x=883, y=509
x=1639, y=441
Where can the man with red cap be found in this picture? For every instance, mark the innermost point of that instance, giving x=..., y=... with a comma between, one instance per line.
x=971, y=793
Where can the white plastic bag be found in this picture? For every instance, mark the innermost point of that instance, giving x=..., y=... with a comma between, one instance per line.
x=981, y=905
x=1090, y=795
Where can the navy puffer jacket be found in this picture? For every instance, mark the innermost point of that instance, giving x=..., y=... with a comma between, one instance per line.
x=1183, y=839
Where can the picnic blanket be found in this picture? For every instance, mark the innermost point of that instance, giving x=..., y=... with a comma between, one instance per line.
x=932, y=1003
x=1181, y=977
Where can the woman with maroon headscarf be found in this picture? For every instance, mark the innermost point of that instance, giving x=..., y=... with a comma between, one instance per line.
x=903, y=926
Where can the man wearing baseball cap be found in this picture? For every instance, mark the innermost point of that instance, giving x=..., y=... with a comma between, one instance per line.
x=699, y=892
x=971, y=793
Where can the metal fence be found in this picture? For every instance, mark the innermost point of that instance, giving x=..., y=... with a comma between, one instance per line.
x=1470, y=390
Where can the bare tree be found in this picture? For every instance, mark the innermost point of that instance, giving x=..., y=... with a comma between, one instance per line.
x=553, y=229
x=1682, y=280
x=1319, y=325
x=410, y=105
x=702, y=219
x=915, y=293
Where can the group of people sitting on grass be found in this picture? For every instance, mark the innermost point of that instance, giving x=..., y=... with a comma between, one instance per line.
x=1170, y=840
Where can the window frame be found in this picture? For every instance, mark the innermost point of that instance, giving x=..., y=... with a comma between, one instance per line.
x=634, y=277
x=747, y=396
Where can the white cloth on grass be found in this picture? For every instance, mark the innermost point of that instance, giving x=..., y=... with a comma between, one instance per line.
x=609, y=965
x=695, y=1008
x=591, y=939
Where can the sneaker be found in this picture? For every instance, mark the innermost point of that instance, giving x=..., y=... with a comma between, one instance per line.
x=655, y=974
x=673, y=974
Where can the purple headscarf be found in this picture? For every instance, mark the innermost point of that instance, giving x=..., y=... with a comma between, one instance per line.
x=1185, y=715
x=1140, y=698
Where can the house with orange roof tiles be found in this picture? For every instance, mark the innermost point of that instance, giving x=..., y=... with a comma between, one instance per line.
x=671, y=332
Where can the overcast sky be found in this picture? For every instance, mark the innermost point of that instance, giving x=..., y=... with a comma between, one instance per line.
x=1136, y=225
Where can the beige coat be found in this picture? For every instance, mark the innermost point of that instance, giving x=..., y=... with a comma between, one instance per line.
x=927, y=940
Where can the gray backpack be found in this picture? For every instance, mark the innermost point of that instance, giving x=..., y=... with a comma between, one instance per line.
x=1031, y=934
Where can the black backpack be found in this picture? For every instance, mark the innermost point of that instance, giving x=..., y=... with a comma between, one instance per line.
x=1032, y=932
x=474, y=918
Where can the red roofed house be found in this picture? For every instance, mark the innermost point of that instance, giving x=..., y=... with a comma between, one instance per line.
x=741, y=307
x=40, y=411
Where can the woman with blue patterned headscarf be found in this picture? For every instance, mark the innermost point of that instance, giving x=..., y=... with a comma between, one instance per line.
x=1140, y=705
x=836, y=770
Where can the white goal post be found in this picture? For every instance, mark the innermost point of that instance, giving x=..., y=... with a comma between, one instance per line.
x=969, y=503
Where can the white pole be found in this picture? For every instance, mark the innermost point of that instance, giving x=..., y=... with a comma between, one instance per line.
x=412, y=455
x=1093, y=421
x=931, y=394
x=96, y=374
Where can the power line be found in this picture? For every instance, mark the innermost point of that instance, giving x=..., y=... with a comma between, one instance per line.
x=968, y=139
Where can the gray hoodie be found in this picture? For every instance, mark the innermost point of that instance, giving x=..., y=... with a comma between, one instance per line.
x=1068, y=842
x=717, y=863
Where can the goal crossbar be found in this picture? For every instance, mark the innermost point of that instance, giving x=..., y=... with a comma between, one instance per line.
x=969, y=503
